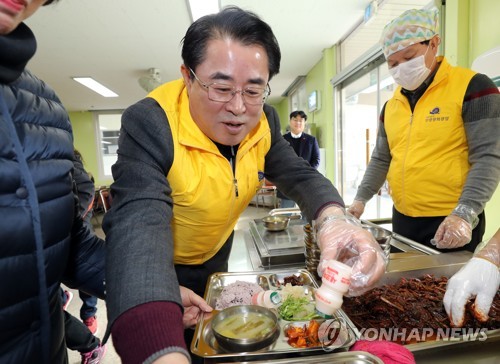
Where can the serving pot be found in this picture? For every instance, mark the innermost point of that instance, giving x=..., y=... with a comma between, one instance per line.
x=245, y=344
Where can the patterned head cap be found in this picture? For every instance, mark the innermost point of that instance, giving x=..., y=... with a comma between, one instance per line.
x=411, y=27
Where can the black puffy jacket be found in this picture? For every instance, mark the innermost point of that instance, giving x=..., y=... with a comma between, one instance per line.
x=42, y=240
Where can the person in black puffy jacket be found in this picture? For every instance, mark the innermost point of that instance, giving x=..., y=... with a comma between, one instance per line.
x=43, y=241
x=86, y=192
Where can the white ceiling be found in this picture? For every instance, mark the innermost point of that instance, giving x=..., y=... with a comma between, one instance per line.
x=117, y=41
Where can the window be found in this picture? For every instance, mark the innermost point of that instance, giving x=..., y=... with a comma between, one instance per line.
x=362, y=97
x=108, y=131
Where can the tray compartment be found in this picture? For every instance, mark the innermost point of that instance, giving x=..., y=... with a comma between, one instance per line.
x=276, y=279
x=330, y=332
x=218, y=281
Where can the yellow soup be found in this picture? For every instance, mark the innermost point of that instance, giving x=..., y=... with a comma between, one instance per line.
x=250, y=325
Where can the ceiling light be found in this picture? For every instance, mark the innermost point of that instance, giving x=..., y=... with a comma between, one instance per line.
x=151, y=81
x=199, y=8
x=95, y=86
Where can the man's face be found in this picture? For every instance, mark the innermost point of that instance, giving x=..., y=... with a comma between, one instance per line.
x=13, y=12
x=297, y=124
x=416, y=50
x=234, y=64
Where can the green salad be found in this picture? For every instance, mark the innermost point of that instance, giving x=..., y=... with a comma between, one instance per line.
x=297, y=308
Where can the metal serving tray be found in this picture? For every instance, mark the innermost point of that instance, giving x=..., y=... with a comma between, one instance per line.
x=205, y=345
x=350, y=357
x=279, y=247
x=442, y=265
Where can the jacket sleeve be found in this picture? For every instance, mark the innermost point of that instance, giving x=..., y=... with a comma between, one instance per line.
x=315, y=154
x=85, y=186
x=376, y=171
x=140, y=271
x=294, y=176
x=481, y=115
x=86, y=264
x=85, y=269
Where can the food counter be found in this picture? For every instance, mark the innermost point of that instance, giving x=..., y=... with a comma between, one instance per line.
x=284, y=252
x=282, y=249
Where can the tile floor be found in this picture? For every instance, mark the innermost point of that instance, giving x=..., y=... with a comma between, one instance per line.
x=237, y=262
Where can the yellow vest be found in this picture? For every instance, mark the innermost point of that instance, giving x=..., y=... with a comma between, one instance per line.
x=208, y=198
x=429, y=148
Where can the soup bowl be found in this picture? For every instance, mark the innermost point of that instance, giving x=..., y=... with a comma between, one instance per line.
x=382, y=236
x=245, y=328
x=276, y=223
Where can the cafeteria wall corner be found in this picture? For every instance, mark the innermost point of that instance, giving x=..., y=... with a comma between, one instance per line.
x=85, y=140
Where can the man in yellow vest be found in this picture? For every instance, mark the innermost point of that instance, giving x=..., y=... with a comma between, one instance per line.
x=191, y=157
x=438, y=142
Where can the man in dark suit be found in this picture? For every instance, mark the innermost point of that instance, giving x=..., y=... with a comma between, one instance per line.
x=305, y=145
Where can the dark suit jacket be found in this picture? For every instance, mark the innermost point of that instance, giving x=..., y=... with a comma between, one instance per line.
x=309, y=148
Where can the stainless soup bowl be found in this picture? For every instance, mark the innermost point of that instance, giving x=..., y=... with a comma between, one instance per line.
x=382, y=236
x=245, y=344
x=276, y=223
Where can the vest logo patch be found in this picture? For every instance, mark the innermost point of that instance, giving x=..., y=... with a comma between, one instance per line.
x=435, y=117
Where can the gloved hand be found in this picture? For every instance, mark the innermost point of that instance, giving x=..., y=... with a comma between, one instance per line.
x=480, y=278
x=356, y=209
x=342, y=238
x=454, y=232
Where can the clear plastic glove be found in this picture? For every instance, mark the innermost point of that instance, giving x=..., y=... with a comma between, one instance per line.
x=342, y=238
x=193, y=305
x=491, y=250
x=480, y=278
x=356, y=209
x=454, y=232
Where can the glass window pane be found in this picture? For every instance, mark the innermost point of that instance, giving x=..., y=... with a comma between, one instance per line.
x=109, y=131
x=362, y=100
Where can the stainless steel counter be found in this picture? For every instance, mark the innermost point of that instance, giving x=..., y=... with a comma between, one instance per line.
x=474, y=352
x=283, y=249
x=409, y=261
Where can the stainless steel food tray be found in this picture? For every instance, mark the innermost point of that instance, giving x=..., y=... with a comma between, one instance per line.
x=205, y=345
x=350, y=357
x=442, y=265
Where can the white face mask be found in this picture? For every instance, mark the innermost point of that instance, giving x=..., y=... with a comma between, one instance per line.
x=410, y=74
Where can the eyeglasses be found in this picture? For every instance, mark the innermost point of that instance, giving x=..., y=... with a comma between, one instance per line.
x=220, y=92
